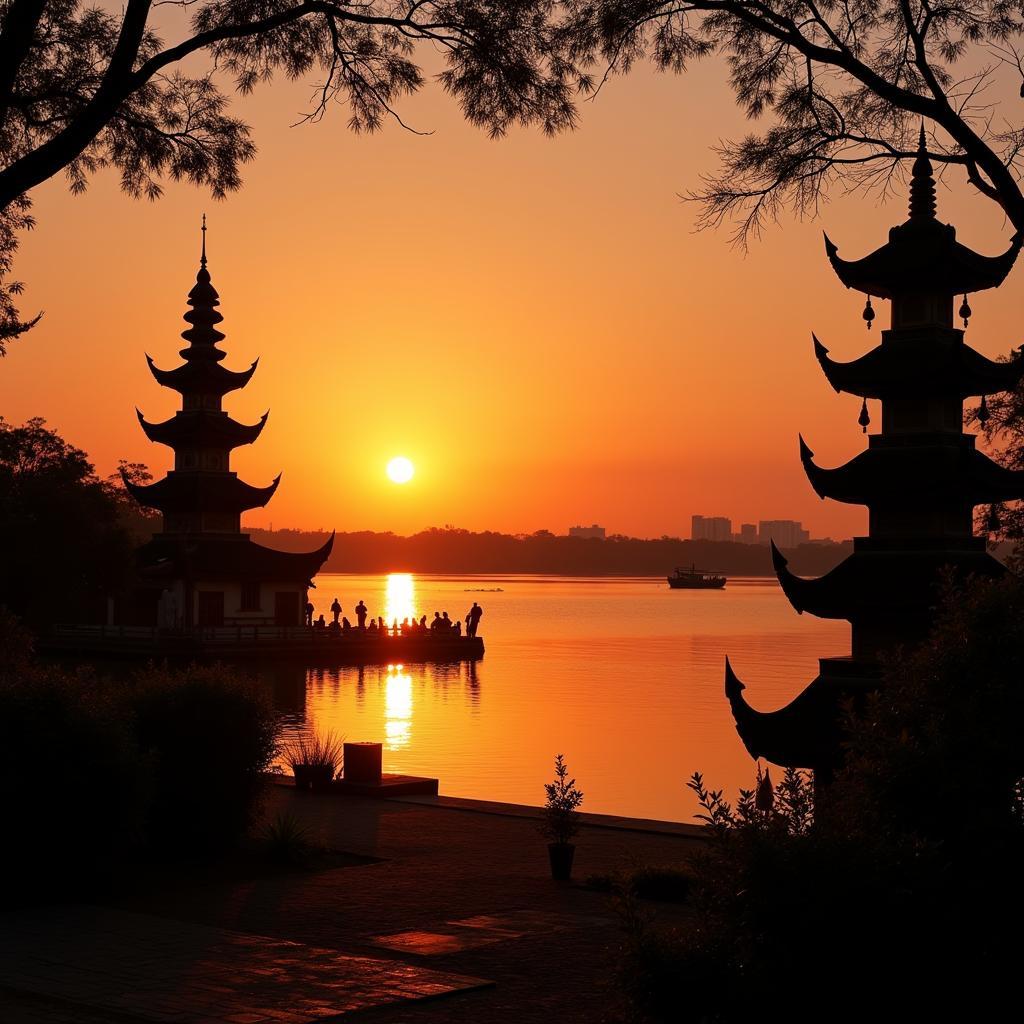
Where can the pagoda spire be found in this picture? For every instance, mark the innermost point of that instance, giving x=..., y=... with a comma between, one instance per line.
x=922, y=184
x=203, y=317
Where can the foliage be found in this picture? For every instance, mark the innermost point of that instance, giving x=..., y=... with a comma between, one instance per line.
x=84, y=88
x=664, y=884
x=72, y=780
x=315, y=751
x=286, y=840
x=64, y=544
x=841, y=89
x=905, y=872
x=1002, y=425
x=212, y=736
x=560, y=817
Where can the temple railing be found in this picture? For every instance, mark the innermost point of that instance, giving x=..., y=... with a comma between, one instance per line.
x=243, y=634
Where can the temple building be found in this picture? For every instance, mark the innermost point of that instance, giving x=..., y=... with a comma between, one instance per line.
x=920, y=477
x=201, y=569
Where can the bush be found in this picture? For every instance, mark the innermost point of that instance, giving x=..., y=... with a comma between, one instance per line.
x=666, y=884
x=94, y=771
x=211, y=736
x=72, y=784
x=897, y=891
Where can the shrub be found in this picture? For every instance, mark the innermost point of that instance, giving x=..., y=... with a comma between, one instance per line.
x=211, y=735
x=663, y=884
x=286, y=841
x=559, y=817
x=315, y=752
x=897, y=891
x=72, y=784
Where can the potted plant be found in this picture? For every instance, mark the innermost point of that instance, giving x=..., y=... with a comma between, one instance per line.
x=315, y=760
x=560, y=820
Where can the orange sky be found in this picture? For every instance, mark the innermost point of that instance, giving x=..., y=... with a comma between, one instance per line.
x=532, y=321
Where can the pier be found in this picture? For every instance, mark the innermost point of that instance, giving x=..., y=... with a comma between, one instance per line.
x=279, y=643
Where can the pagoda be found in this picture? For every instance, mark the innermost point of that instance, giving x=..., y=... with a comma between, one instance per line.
x=920, y=477
x=200, y=569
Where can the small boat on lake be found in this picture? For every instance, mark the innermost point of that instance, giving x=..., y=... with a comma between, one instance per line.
x=695, y=579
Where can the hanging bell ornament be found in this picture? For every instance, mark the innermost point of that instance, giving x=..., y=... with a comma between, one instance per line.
x=869, y=313
x=983, y=413
x=864, y=419
x=992, y=523
x=965, y=311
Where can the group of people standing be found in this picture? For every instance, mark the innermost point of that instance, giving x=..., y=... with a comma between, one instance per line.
x=441, y=623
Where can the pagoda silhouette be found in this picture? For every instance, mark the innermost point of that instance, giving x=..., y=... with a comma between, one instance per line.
x=201, y=570
x=920, y=478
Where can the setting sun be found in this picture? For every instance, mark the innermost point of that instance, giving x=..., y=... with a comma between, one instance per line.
x=400, y=470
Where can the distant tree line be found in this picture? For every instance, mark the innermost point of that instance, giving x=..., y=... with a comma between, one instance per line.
x=451, y=550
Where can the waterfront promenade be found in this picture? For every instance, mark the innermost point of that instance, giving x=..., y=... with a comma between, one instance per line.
x=453, y=902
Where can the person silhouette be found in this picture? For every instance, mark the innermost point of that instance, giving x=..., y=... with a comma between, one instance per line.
x=309, y=613
x=436, y=624
x=320, y=623
x=446, y=623
x=423, y=624
x=473, y=619
x=336, y=609
x=361, y=615
x=346, y=626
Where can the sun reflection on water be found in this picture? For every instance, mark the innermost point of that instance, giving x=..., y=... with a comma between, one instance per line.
x=397, y=707
x=399, y=597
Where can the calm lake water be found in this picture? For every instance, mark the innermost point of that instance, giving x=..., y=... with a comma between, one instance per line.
x=623, y=676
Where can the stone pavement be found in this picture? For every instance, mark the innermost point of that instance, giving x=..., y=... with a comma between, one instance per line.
x=458, y=890
x=170, y=971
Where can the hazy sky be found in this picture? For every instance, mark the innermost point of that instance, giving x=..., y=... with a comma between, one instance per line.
x=532, y=321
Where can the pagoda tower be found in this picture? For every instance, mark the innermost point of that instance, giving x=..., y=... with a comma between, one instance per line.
x=920, y=477
x=201, y=570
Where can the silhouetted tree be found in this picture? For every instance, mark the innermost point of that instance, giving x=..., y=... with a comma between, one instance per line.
x=842, y=87
x=83, y=88
x=63, y=544
x=1004, y=430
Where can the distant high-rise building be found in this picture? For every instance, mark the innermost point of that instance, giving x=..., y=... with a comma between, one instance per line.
x=592, y=532
x=787, y=533
x=710, y=528
x=747, y=534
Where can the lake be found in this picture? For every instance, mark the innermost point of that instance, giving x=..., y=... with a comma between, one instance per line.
x=623, y=676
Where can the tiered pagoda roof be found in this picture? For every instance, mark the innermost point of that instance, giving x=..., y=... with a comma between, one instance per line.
x=931, y=472
x=238, y=558
x=202, y=377
x=879, y=584
x=921, y=477
x=920, y=365
x=922, y=254
x=212, y=492
x=201, y=498
x=202, y=430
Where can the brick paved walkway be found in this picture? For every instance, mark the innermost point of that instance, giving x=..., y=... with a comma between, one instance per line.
x=457, y=891
x=171, y=971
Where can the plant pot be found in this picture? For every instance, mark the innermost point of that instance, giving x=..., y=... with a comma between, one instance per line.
x=313, y=776
x=561, y=855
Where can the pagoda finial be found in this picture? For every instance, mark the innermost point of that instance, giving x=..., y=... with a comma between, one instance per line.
x=203, y=316
x=922, y=184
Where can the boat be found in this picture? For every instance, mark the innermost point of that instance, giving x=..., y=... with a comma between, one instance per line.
x=695, y=579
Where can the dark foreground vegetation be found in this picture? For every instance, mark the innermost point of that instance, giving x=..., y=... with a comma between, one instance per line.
x=97, y=774
x=900, y=894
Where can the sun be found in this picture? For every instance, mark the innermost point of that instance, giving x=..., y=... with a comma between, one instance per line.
x=400, y=470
